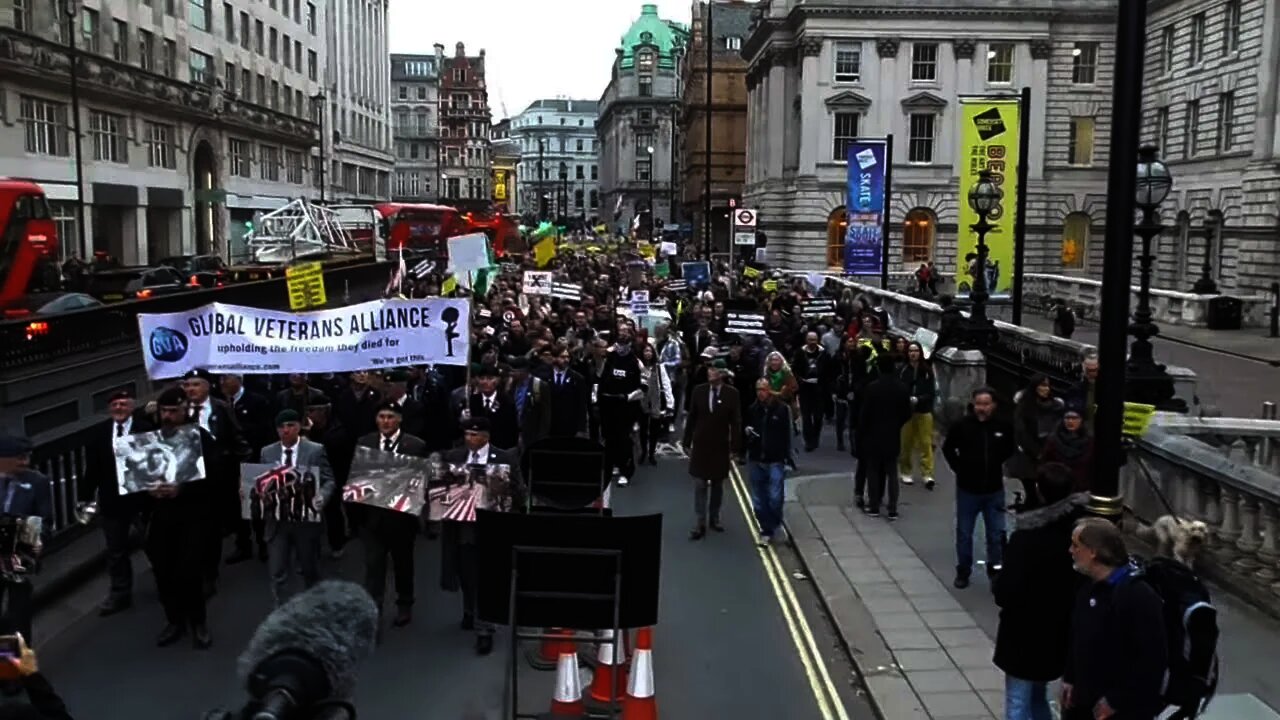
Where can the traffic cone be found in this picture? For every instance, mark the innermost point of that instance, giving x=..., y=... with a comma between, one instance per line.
x=567, y=701
x=547, y=654
x=610, y=679
x=640, y=703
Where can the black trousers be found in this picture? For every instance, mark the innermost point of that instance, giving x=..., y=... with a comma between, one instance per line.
x=335, y=523
x=617, y=418
x=463, y=557
x=882, y=475
x=117, y=518
x=389, y=533
x=18, y=609
x=812, y=410
x=177, y=545
x=651, y=430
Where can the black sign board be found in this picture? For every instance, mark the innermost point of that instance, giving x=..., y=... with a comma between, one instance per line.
x=818, y=307
x=566, y=291
x=744, y=323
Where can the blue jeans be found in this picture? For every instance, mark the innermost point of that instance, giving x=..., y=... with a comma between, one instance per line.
x=767, y=495
x=968, y=507
x=1026, y=700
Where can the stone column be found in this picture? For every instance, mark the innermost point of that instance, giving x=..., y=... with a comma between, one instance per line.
x=963, y=52
x=141, y=246
x=188, y=227
x=751, y=147
x=1041, y=50
x=811, y=111
x=888, y=113
x=777, y=83
x=959, y=373
x=1267, y=122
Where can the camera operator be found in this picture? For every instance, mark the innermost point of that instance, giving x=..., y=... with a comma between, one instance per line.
x=18, y=664
x=24, y=493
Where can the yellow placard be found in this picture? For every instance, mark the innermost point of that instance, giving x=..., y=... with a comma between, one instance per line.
x=1137, y=419
x=449, y=286
x=305, y=283
x=499, y=184
x=648, y=251
x=750, y=272
x=544, y=252
x=770, y=285
x=989, y=130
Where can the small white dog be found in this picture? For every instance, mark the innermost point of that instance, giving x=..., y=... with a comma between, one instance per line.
x=1182, y=540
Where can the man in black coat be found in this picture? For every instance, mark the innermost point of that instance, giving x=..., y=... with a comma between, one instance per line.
x=885, y=408
x=116, y=513
x=1117, y=657
x=497, y=407
x=396, y=392
x=24, y=493
x=1035, y=591
x=387, y=532
x=253, y=414
x=569, y=395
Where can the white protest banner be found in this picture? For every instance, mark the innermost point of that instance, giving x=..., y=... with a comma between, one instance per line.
x=468, y=253
x=537, y=282
x=235, y=339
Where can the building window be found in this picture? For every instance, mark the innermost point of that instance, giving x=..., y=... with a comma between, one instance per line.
x=848, y=62
x=1076, y=229
x=1080, y=141
x=918, y=233
x=732, y=42
x=287, y=44
x=459, y=76
x=66, y=217
x=578, y=145
x=246, y=85
x=146, y=50
x=595, y=172
x=244, y=30
x=921, y=139
x=1226, y=122
x=89, y=31
x=198, y=14
x=261, y=82
x=1084, y=63
x=1197, y=39
x=1231, y=33
x=109, y=141
x=293, y=167
x=581, y=173
x=924, y=62
x=1191, y=130
x=229, y=78
x=837, y=223
x=313, y=63
x=643, y=168
x=844, y=131
x=259, y=37
x=577, y=199
x=274, y=45
x=645, y=88
x=160, y=147
x=644, y=141
x=275, y=94
x=269, y=162
x=201, y=68
x=645, y=116
x=1000, y=63
x=170, y=58
x=120, y=41
x=1162, y=131
x=644, y=61
x=45, y=124
x=1168, y=36
x=22, y=16
x=311, y=18
x=229, y=21
x=595, y=198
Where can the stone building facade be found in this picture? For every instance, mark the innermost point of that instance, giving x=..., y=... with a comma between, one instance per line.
x=358, y=123
x=415, y=125
x=819, y=76
x=464, y=126
x=193, y=117
x=1211, y=106
x=728, y=111
x=639, y=110
x=554, y=135
x=505, y=152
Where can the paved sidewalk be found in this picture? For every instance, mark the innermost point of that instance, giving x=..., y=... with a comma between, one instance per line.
x=923, y=647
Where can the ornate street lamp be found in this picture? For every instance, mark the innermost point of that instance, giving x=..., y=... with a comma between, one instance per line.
x=1205, y=284
x=652, y=211
x=984, y=198
x=319, y=103
x=1147, y=381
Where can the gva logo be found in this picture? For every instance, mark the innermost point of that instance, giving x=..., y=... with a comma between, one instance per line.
x=167, y=345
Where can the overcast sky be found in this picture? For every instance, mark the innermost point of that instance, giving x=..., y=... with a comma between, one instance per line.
x=533, y=49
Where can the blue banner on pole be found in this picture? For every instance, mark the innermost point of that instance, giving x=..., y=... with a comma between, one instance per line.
x=864, y=235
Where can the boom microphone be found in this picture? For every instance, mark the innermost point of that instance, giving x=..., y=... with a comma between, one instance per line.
x=303, y=657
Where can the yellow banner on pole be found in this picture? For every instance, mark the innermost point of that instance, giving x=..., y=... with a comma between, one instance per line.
x=988, y=141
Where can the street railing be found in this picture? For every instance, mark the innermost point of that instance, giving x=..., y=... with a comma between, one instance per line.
x=63, y=461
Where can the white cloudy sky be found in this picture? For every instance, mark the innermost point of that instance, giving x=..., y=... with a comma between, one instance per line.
x=533, y=48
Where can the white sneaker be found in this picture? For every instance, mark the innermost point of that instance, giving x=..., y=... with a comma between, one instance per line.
x=908, y=480
x=623, y=481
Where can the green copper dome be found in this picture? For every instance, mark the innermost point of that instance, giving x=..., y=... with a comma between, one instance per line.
x=649, y=29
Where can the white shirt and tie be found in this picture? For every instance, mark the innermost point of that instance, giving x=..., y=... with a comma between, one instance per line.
x=201, y=414
x=390, y=443
x=479, y=457
x=121, y=429
x=488, y=401
x=288, y=455
x=562, y=376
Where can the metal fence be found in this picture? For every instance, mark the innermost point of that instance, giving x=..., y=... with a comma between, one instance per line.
x=63, y=460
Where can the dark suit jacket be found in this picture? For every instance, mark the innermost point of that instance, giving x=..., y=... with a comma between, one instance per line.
x=497, y=456
x=100, y=459
x=712, y=434
x=257, y=418
x=229, y=446
x=406, y=444
x=535, y=422
x=886, y=407
x=412, y=416
x=504, y=426
x=28, y=493
x=568, y=404
x=309, y=454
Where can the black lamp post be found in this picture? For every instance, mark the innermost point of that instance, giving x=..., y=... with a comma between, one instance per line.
x=71, y=8
x=542, y=175
x=564, y=194
x=320, y=101
x=1147, y=381
x=1205, y=285
x=652, y=211
x=984, y=198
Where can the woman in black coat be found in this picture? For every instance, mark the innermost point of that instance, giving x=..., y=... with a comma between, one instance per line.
x=1035, y=591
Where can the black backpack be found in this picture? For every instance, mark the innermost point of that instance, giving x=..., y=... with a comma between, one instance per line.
x=1191, y=633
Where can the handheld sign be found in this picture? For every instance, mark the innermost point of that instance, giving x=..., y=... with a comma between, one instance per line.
x=305, y=283
x=537, y=282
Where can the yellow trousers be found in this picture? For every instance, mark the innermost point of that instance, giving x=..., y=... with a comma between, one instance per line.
x=917, y=436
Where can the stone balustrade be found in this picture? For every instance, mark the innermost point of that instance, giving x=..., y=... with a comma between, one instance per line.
x=1167, y=306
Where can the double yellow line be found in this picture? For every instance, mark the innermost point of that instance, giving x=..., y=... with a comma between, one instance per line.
x=815, y=668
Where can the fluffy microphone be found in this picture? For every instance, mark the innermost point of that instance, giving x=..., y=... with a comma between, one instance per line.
x=305, y=653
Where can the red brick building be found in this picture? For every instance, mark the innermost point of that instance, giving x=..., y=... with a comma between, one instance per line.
x=464, y=127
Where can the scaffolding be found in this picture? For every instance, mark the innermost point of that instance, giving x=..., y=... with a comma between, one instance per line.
x=297, y=231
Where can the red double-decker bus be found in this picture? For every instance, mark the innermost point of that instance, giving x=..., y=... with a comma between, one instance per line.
x=425, y=227
x=28, y=242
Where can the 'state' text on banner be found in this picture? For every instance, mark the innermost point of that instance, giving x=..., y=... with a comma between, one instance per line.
x=988, y=141
x=378, y=334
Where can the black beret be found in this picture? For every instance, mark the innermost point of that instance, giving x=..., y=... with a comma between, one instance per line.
x=12, y=446
x=391, y=408
x=173, y=397
x=476, y=424
x=487, y=371
x=122, y=394
x=198, y=374
x=287, y=416
x=317, y=400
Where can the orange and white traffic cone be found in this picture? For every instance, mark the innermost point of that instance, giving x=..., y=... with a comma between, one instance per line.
x=547, y=654
x=610, y=679
x=567, y=701
x=640, y=703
